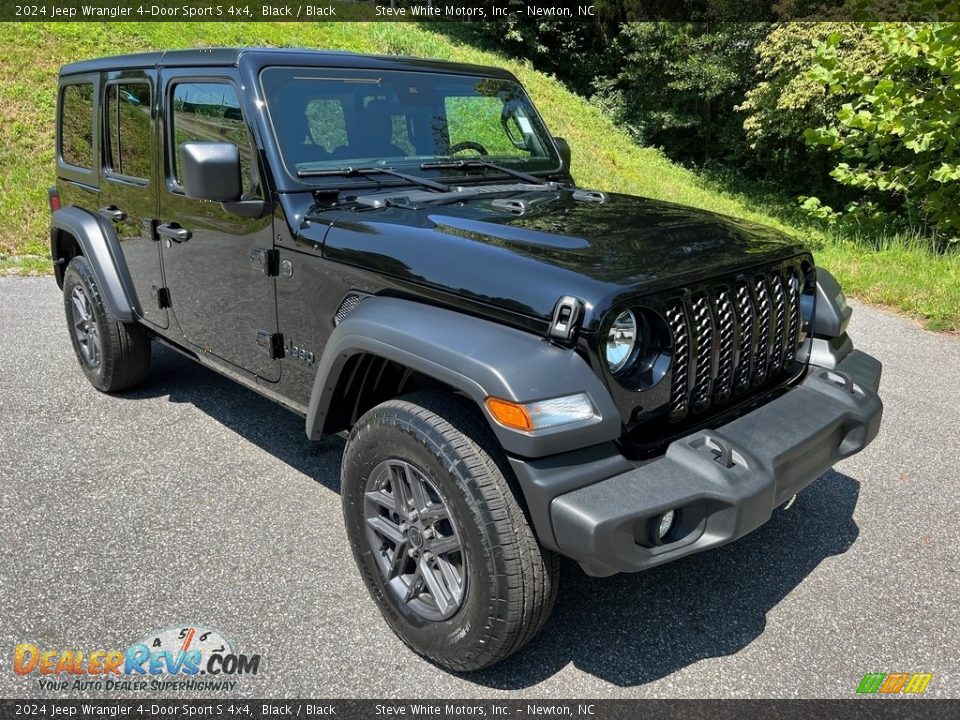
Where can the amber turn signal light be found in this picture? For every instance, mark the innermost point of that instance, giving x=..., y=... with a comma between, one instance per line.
x=509, y=413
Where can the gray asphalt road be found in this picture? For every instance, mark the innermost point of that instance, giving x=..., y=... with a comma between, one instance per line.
x=193, y=501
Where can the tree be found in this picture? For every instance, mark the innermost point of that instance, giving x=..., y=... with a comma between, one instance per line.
x=785, y=101
x=677, y=85
x=897, y=139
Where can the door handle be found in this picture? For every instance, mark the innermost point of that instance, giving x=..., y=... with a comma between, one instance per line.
x=113, y=213
x=174, y=232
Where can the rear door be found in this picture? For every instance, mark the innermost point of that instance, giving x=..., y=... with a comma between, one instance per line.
x=128, y=191
x=221, y=292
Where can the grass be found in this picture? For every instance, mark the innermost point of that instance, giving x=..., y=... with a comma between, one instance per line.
x=897, y=272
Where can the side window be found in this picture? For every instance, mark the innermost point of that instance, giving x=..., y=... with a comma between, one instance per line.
x=128, y=130
x=76, y=125
x=210, y=112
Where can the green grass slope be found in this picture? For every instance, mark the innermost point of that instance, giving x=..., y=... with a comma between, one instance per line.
x=899, y=274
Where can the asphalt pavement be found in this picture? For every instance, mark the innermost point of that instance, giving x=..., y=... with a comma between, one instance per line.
x=195, y=502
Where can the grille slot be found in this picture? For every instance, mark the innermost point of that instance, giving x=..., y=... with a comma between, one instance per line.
x=746, y=313
x=779, y=323
x=763, y=329
x=702, y=327
x=793, y=289
x=679, y=390
x=725, y=327
x=732, y=337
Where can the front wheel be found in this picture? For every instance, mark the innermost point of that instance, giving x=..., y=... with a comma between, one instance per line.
x=438, y=535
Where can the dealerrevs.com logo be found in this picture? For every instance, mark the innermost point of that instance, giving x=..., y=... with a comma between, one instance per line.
x=894, y=683
x=170, y=659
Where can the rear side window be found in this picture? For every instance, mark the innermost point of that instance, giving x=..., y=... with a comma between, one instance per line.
x=210, y=112
x=76, y=125
x=128, y=130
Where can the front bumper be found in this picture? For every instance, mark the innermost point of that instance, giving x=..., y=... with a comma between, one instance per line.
x=724, y=482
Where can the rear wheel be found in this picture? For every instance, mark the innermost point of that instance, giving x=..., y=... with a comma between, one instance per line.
x=441, y=542
x=113, y=355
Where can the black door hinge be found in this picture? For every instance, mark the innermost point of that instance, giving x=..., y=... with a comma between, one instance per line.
x=270, y=344
x=162, y=296
x=266, y=260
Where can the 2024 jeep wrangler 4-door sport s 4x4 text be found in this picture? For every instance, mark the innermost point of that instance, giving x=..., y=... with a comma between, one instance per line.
x=395, y=248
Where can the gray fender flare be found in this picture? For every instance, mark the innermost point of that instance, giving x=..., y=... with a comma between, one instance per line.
x=102, y=251
x=476, y=357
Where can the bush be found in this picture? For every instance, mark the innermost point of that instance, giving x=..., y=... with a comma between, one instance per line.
x=785, y=101
x=896, y=136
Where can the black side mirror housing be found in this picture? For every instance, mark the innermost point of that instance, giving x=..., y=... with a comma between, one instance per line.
x=211, y=171
x=564, y=149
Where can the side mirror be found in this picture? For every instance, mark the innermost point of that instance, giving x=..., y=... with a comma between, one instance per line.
x=211, y=171
x=564, y=149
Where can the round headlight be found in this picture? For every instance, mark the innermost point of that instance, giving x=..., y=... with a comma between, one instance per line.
x=621, y=340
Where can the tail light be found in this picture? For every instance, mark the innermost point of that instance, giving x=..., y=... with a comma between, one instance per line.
x=54, y=197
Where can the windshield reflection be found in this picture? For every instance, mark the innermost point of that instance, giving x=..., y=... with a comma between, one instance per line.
x=329, y=118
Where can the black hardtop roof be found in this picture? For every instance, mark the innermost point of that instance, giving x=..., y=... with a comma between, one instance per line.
x=214, y=57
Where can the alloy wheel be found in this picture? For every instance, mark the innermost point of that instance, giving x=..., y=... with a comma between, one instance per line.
x=415, y=540
x=85, y=327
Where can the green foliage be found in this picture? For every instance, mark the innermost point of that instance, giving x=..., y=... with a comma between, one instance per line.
x=784, y=100
x=677, y=85
x=896, y=135
x=898, y=271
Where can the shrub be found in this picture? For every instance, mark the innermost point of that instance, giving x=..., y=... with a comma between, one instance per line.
x=895, y=139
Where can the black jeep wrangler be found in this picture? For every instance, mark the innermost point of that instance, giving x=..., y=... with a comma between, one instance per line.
x=396, y=248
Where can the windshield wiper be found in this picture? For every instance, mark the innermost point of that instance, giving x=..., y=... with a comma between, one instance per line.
x=354, y=171
x=474, y=163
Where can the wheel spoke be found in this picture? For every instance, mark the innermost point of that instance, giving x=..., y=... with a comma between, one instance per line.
x=443, y=545
x=452, y=578
x=388, y=502
x=432, y=513
x=398, y=481
x=93, y=338
x=386, y=529
x=438, y=589
x=418, y=492
x=80, y=304
x=398, y=561
x=414, y=587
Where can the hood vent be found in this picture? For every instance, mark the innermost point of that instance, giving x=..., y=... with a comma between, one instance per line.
x=347, y=305
x=511, y=205
x=591, y=196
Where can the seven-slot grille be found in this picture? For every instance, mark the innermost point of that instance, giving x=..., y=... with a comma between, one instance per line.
x=732, y=337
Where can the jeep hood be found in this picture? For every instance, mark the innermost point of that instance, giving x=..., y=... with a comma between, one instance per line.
x=602, y=253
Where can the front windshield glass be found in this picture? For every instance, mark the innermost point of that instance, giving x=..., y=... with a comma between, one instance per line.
x=330, y=118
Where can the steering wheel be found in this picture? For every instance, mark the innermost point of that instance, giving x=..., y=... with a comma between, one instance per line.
x=468, y=145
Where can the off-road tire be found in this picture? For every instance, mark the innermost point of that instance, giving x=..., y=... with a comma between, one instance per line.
x=124, y=348
x=511, y=582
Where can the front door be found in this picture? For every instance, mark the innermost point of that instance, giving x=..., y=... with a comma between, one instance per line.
x=222, y=300
x=128, y=196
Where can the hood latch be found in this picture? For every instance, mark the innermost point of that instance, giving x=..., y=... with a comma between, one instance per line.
x=567, y=314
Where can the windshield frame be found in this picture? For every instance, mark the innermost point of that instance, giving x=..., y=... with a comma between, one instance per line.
x=460, y=176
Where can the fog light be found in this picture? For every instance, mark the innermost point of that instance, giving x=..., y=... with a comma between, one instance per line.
x=666, y=524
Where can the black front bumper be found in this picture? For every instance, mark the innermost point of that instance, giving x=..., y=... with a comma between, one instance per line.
x=726, y=482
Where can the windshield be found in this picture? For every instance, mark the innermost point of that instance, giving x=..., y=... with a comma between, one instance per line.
x=329, y=118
